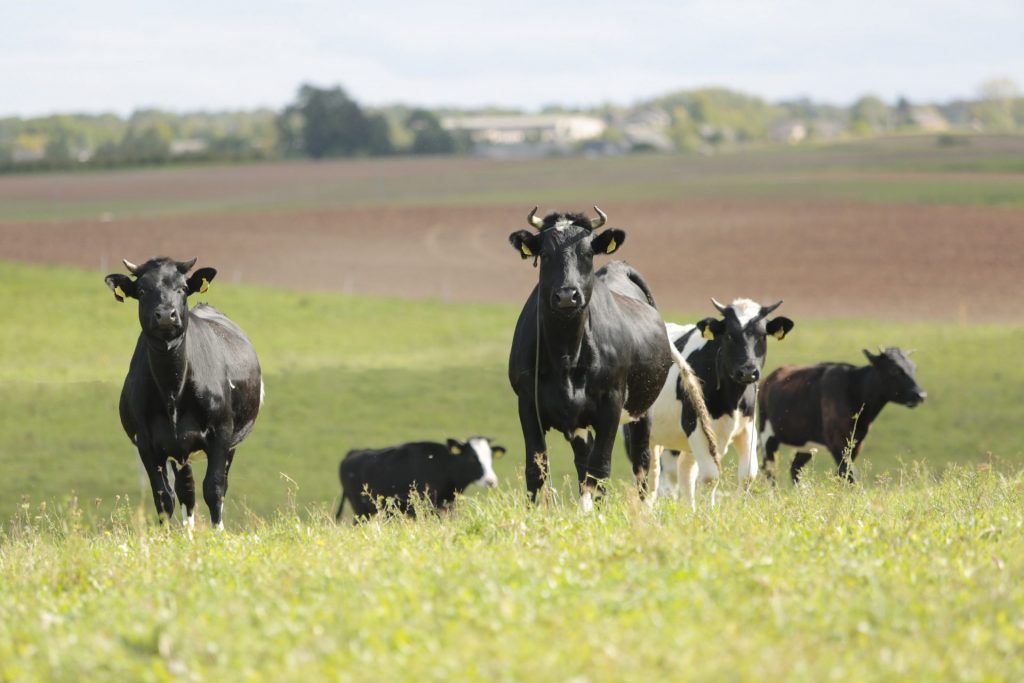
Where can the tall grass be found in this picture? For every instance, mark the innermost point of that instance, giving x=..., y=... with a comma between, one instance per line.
x=916, y=578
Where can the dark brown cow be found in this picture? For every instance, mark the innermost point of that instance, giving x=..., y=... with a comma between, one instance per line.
x=824, y=405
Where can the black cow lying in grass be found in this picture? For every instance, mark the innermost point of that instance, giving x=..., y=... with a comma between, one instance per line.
x=437, y=472
x=194, y=384
x=827, y=404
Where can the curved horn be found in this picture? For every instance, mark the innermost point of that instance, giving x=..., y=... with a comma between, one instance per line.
x=720, y=307
x=130, y=266
x=881, y=349
x=765, y=310
x=601, y=219
x=185, y=266
x=533, y=220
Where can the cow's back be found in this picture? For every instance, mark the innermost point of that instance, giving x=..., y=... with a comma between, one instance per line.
x=797, y=399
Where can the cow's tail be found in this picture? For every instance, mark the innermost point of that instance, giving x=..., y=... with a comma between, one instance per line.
x=695, y=394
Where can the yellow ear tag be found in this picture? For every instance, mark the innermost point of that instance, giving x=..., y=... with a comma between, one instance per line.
x=780, y=333
x=611, y=246
x=456, y=450
x=526, y=250
x=119, y=293
x=708, y=334
x=205, y=286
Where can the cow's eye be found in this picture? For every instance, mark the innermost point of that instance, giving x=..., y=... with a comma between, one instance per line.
x=141, y=292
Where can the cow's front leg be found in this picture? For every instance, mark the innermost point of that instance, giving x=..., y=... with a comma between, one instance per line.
x=185, y=488
x=746, y=449
x=599, y=464
x=536, y=447
x=156, y=469
x=215, y=483
x=582, y=442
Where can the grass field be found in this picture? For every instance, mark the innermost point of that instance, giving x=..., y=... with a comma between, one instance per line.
x=343, y=372
x=912, y=576
x=912, y=581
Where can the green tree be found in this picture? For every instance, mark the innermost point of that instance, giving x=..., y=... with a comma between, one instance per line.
x=332, y=124
x=869, y=115
x=428, y=135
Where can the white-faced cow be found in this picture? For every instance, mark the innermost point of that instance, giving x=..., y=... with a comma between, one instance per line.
x=436, y=471
x=193, y=384
x=727, y=355
x=589, y=351
x=826, y=405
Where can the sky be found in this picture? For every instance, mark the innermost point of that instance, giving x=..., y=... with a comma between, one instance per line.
x=120, y=55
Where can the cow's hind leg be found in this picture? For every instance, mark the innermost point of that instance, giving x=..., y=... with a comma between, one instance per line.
x=799, y=461
x=686, y=476
x=639, y=451
x=582, y=443
x=185, y=488
x=215, y=483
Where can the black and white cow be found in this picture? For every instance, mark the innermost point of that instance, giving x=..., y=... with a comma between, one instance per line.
x=825, y=405
x=193, y=384
x=436, y=471
x=727, y=355
x=589, y=351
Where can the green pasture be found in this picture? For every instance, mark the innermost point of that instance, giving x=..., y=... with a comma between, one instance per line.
x=345, y=372
x=977, y=170
x=914, y=579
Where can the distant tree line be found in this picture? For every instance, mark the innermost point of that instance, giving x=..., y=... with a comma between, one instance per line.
x=325, y=122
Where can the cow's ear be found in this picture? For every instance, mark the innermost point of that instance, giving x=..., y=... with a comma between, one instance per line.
x=526, y=243
x=121, y=285
x=608, y=242
x=711, y=328
x=497, y=450
x=779, y=327
x=454, y=447
x=869, y=355
x=199, y=281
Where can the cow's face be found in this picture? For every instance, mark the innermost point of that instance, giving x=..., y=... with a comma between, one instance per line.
x=162, y=289
x=743, y=333
x=566, y=245
x=898, y=375
x=474, y=460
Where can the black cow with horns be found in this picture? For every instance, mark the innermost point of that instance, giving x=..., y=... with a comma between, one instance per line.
x=194, y=384
x=589, y=351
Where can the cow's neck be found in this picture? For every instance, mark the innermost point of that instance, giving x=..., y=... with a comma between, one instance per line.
x=562, y=338
x=872, y=395
x=168, y=365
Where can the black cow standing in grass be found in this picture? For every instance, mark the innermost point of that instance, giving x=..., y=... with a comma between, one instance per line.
x=828, y=404
x=193, y=384
x=589, y=351
x=438, y=472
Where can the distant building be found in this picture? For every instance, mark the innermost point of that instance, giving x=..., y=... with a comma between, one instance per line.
x=928, y=119
x=791, y=131
x=187, y=146
x=648, y=129
x=511, y=136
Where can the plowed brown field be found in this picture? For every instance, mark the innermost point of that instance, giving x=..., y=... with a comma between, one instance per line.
x=826, y=258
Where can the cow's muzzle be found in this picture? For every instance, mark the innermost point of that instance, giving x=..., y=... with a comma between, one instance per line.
x=747, y=375
x=167, y=322
x=567, y=299
x=917, y=399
